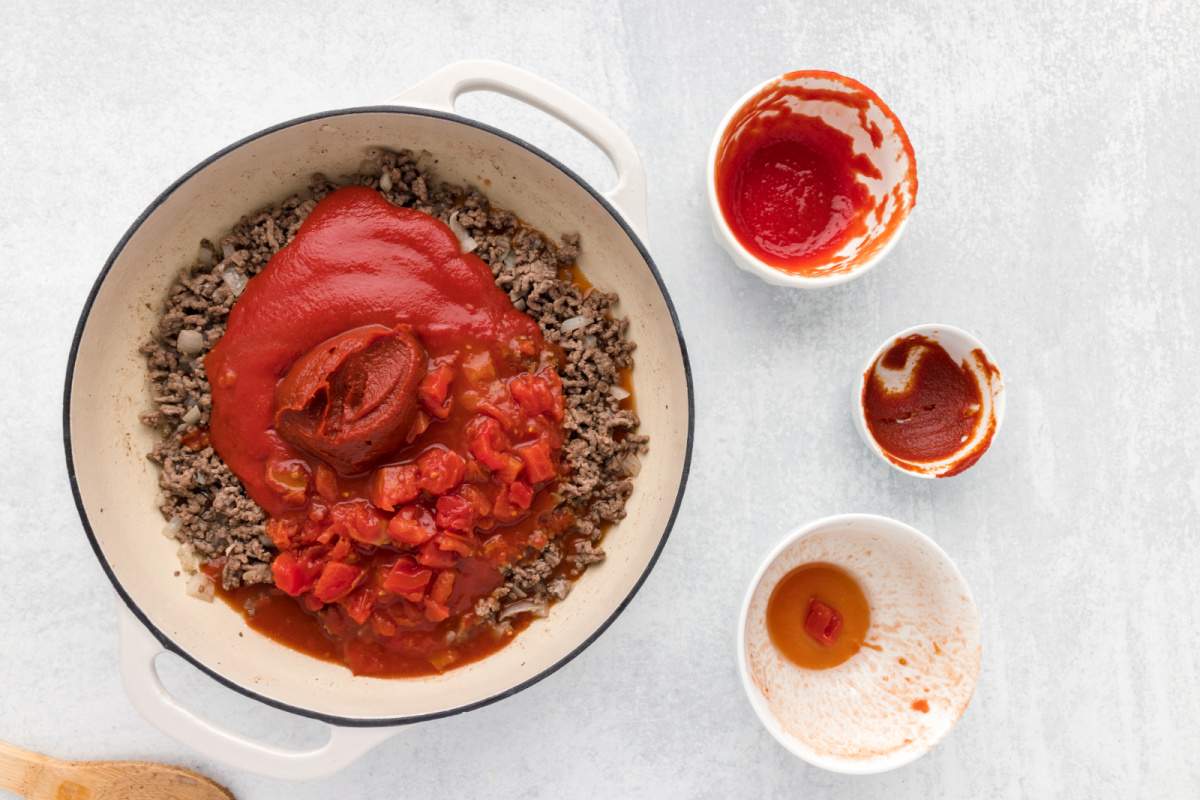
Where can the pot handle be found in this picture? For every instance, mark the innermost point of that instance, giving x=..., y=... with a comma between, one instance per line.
x=441, y=89
x=139, y=649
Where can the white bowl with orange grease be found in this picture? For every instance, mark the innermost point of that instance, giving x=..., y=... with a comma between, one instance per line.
x=858, y=643
x=811, y=179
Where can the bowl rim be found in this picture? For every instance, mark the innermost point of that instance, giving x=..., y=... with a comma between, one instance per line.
x=931, y=329
x=845, y=766
x=165, y=640
x=736, y=250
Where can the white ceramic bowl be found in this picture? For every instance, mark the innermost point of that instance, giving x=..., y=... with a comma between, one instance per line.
x=959, y=345
x=895, y=192
x=922, y=644
x=116, y=487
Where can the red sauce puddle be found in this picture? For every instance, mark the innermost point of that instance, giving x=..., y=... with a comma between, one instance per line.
x=935, y=414
x=788, y=183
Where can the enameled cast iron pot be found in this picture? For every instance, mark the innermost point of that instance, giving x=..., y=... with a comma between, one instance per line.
x=115, y=486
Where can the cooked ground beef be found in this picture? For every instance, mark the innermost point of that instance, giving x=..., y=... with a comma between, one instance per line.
x=207, y=508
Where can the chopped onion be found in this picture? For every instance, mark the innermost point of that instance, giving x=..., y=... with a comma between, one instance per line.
x=192, y=416
x=521, y=606
x=174, y=525
x=207, y=256
x=465, y=241
x=227, y=249
x=591, y=341
x=235, y=280
x=385, y=182
x=633, y=466
x=200, y=587
x=619, y=392
x=510, y=258
x=574, y=324
x=187, y=558
x=189, y=342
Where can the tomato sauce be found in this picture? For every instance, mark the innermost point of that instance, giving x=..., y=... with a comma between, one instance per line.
x=791, y=186
x=935, y=410
x=817, y=616
x=401, y=424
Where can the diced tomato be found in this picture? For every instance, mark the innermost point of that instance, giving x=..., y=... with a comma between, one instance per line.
x=431, y=555
x=521, y=494
x=539, y=464
x=455, y=511
x=293, y=575
x=340, y=549
x=326, y=483
x=823, y=623
x=434, y=390
x=502, y=411
x=476, y=472
x=435, y=611
x=539, y=394
x=360, y=521
x=496, y=549
x=394, y=485
x=442, y=586
x=289, y=479
x=477, y=498
x=282, y=531
x=479, y=369
x=504, y=509
x=441, y=470
x=488, y=441
x=407, y=579
x=311, y=603
x=337, y=580
x=412, y=525
x=463, y=544
x=359, y=604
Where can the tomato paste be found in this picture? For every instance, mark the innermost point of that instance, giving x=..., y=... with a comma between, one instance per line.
x=930, y=408
x=400, y=422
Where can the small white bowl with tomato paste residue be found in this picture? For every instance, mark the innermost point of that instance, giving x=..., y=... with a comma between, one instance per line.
x=811, y=179
x=929, y=401
x=858, y=643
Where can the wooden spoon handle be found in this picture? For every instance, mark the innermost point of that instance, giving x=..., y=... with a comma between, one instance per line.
x=20, y=769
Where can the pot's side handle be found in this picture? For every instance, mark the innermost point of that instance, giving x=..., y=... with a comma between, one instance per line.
x=138, y=650
x=441, y=89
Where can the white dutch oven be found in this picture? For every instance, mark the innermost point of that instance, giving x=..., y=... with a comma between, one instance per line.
x=115, y=486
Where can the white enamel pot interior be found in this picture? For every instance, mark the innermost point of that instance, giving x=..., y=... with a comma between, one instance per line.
x=115, y=486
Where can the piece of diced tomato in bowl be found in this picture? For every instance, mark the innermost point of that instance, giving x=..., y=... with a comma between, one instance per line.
x=441, y=470
x=434, y=390
x=293, y=575
x=537, y=461
x=394, y=485
x=413, y=525
x=361, y=522
x=432, y=555
x=455, y=512
x=337, y=580
x=407, y=579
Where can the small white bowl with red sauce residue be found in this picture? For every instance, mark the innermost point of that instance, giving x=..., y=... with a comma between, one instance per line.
x=811, y=179
x=913, y=664
x=929, y=401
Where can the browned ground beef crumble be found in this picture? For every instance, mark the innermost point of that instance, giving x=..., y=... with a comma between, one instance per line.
x=207, y=509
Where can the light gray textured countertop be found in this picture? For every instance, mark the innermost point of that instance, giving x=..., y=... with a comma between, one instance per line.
x=1056, y=219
